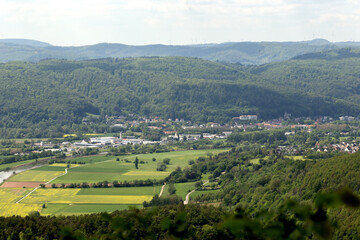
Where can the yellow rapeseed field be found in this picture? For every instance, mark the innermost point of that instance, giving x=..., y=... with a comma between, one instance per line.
x=8, y=207
x=69, y=196
x=64, y=165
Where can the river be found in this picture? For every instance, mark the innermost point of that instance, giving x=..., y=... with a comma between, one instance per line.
x=6, y=174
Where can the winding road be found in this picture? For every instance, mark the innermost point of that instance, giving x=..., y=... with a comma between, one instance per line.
x=187, y=198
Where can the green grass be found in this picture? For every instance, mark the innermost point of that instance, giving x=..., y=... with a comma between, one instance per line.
x=121, y=191
x=49, y=168
x=92, y=159
x=256, y=160
x=35, y=176
x=76, y=209
x=204, y=192
x=184, y=188
x=15, y=164
x=301, y=158
x=110, y=169
x=181, y=189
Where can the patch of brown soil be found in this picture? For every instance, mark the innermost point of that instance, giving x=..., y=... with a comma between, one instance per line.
x=20, y=184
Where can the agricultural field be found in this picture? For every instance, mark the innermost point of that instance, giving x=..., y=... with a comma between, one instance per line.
x=79, y=201
x=124, y=169
x=70, y=201
x=35, y=176
x=8, y=205
x=77, y=209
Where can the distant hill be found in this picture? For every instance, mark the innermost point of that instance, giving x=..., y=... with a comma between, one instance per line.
x=27, y=42
x=62, y=92
x=347, y=52
x=248, y=53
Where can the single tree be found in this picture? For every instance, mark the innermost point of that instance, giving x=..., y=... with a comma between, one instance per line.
x=136, y=163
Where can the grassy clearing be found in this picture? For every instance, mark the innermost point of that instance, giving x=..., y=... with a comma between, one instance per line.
x=8, y=207
x=184, y=188
x=35, y=176
x=204, y=192
x=301, y=158
x=256, y=160
x=181, y=189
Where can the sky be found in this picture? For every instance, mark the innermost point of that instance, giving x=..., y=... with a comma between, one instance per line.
x=178, y=22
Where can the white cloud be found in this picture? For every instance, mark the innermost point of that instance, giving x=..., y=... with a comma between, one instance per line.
x=81, y=22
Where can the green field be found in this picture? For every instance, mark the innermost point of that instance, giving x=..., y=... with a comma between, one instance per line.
x=76, y=209
x=181, y=189
x=71, y=201
x=15, y=164
x=35, y=176
x=121, y=191
x=203, y=192
x=91, y=159
x=110, y=169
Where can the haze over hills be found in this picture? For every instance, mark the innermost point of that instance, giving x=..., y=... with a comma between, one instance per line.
x=248, y=53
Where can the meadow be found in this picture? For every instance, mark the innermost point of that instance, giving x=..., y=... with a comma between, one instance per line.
x=181, y=189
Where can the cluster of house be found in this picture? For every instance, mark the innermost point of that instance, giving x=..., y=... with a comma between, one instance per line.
x=171, y=136
x=287, y=150
x=193, y=137
x=349, y=147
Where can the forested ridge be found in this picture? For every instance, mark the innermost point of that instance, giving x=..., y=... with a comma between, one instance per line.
x=235, y=52
x=55, y=94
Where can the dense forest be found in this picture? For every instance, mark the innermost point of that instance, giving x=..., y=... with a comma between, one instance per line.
x=50, y=96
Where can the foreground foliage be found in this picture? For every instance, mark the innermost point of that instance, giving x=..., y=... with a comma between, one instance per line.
x=291, y=221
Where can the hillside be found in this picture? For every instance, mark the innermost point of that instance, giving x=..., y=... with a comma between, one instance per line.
x=265, y=187
x=173, y=87
x=331, y=74
x=234, y=52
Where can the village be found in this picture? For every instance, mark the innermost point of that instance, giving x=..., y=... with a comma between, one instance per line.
x=135, y=130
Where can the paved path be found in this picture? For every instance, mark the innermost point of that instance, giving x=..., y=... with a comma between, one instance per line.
x=187, y=198
x=162, y=189
x=66, y=171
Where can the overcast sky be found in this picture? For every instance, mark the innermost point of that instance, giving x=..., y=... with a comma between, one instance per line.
x=139, y=22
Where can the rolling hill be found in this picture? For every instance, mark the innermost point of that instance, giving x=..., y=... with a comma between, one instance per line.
x=248, y=53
